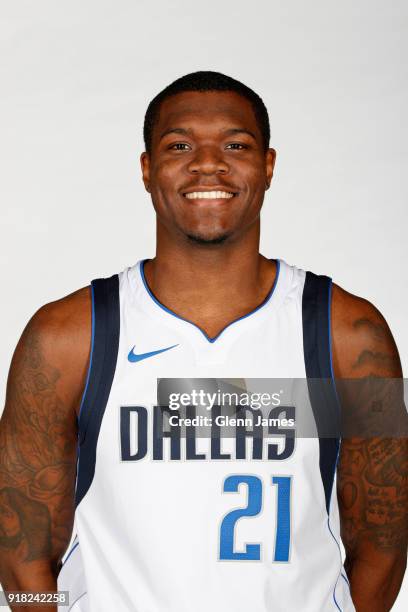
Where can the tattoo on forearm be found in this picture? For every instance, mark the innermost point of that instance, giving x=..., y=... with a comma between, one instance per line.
x=373, y=494
x=23, y=519
x=36, y=481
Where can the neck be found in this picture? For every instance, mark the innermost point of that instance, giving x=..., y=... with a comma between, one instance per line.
x=212, y=283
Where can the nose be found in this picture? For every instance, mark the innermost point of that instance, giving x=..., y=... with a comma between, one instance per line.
x=208, y=160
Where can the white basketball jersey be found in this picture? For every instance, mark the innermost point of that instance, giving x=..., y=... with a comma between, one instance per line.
x=180, y=518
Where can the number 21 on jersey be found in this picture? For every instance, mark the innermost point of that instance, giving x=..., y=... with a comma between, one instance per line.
x=230, y=522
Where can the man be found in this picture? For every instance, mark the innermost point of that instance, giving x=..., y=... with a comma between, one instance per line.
x=166, y=520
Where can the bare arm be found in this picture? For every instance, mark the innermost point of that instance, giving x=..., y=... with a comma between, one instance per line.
x=38, y=444
x=373, y=470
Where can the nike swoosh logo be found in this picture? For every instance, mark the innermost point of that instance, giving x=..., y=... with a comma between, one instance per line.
x=133, y=357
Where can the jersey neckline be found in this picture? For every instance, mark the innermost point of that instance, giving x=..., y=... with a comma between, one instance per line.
x=206, y=336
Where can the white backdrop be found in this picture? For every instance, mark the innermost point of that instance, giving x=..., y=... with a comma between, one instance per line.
x=75, y=81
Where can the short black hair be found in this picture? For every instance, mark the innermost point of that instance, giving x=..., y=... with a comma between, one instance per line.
x=205, y=80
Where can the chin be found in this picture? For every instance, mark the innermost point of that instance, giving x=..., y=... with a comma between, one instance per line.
x=207, y=239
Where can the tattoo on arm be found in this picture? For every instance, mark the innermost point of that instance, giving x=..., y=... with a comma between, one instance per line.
x=373, y=493
x=373, y=468
x=381, y=354
x=37, y=459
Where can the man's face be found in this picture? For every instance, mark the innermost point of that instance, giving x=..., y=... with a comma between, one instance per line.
x=207, y=142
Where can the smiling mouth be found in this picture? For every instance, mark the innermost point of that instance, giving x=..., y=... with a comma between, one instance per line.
x=209, y=195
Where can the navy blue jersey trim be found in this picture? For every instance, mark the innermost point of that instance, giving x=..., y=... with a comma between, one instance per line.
x=91, y=353
x=318, y=363
x=106, y=324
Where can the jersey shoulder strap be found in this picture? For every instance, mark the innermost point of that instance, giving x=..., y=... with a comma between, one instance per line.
x=101, y=370
x=316, y=305
x=317, y=348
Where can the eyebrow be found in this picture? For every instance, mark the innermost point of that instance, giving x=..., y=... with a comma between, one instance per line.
x=240, y=131
x=229, y=131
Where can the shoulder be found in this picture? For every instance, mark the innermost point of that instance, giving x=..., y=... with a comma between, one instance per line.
x=69, y=314
x=55, y=345
x=362, y=340
x=63, y=325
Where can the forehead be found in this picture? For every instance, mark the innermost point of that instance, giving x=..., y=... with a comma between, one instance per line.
x=209, y=109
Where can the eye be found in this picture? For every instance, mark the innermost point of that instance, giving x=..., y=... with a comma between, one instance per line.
x=178, y=146
x=235, y=146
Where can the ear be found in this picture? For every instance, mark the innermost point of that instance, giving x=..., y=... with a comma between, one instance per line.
x=145, y=165
x=270, y=158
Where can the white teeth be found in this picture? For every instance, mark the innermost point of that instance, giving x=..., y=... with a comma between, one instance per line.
x=209, y=195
